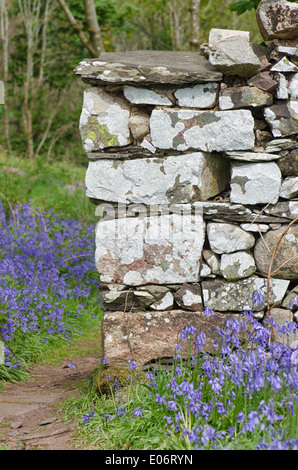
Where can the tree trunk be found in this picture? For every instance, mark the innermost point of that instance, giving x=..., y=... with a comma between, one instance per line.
x=4, y=34
x=93, y=27
x=94, y=44
x=174, y=26
x=30, y=15
x=194, y=40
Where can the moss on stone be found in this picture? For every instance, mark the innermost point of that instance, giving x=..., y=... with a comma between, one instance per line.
x=105, y=379
x=88, y=134
x=101, y=133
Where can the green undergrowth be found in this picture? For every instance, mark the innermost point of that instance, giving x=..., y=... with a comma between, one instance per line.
x=55, y=185
x=52, y=193
x=238, y=399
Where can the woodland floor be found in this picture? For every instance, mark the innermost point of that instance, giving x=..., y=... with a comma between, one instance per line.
x=29, y=416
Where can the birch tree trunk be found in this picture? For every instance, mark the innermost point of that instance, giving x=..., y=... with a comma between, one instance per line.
x=35, y=20
x=93, y=27
x=4, y=35
x=94, y=43
x=194, y=41
x=30, y=14
x=174, y=25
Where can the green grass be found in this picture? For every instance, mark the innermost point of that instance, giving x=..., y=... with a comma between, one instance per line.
x=114, y=425
x=58, y=186
x=55, y=185
x=85, y=340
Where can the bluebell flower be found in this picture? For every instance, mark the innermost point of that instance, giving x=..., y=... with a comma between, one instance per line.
x=168, y=420
x=160, y=399
x=87, y=417
x=208, y=312
x=257, y=298
x=132, y=364
x=137, y=412
x=172, y=405
x=116, y=384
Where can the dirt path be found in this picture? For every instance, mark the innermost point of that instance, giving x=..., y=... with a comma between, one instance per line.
x=29, y=418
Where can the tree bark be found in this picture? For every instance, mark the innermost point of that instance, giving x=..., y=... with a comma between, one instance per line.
x=30, y=14
x=94, y=44
x=93, y=27
x=35, y=24
x=194, y=40
x=4, y=34
x=174, y=26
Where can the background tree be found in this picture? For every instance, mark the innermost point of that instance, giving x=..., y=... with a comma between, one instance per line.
x=40, y=47
x=94, y=43
x=194, y=40
x=4, y=35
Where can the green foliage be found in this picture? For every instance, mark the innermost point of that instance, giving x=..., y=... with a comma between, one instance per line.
x=243, y=6
x=247, y=5
x=54, y=185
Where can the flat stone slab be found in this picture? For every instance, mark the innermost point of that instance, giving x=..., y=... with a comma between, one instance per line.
x=212, y=210
x=231, y=53
x=285, y=66
x=189, y=297
x=14, y=405
x=147, y=337
x=244, y=97
x=263, y=81
x=255, y=183
x=277, y=19
x=234, y=266
x=285, y=265
x=228, y=238
x=288, y=50
x=222, y=296
x=253, y=156
x=174, y=179
x=201, y=96
x=288, y=164
x=293, y=87
x=183, y=129
x=147, y=68
x=228, y=212
x=104, y=121
x=151, y=250
x=289, y=188
x=277, y=145
x=286, y=209
x=283, y=118
x=139, y=95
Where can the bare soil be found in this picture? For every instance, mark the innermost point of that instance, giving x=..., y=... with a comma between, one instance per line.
x=29, y=416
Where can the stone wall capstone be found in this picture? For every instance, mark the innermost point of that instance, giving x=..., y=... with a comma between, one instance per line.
x=193, y=164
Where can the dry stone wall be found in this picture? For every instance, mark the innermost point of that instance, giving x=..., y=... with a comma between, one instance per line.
x=193, y=167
